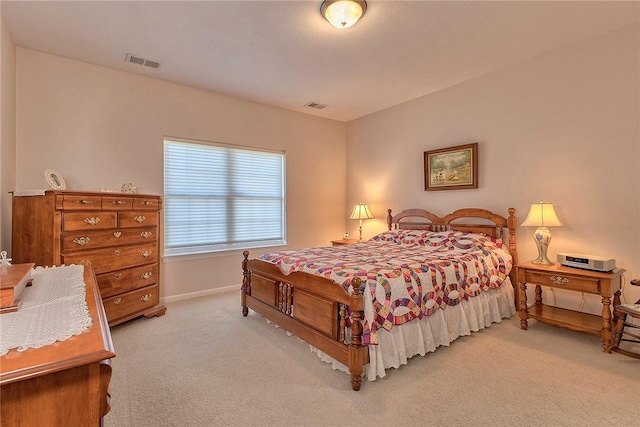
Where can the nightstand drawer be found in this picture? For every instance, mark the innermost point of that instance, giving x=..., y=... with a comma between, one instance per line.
x=564, y=281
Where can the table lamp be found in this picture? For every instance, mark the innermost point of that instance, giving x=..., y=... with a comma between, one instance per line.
x=542, y=215
x=361, y=211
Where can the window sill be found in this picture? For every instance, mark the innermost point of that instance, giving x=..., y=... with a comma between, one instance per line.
x=222, y=253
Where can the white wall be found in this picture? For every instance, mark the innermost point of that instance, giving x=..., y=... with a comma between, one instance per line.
x=563, y=127
x=102, y=127
x=7, y=132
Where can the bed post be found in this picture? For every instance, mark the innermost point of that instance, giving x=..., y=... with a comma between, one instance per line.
x=356, y=356
x=389, y=219
x=511, y=225
x=246, y=283
x=513, y=250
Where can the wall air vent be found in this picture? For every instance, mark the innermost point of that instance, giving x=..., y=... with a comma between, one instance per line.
x=134, y=59
x=315, y=105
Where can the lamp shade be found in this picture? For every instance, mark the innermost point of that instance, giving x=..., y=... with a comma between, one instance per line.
x=542, y=215
x=361, y=211
x=343, y=13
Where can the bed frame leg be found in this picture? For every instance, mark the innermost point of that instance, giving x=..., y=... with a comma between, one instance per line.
x=246, y=283
x=356, y=382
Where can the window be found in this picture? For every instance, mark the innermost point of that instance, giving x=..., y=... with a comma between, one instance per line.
x=218, y=197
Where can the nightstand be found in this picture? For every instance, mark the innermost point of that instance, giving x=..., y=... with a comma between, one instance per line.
x=343, y=242
x=607, y=285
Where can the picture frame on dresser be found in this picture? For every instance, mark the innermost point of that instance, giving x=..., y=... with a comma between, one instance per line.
x=120, y=234
x=55, y=179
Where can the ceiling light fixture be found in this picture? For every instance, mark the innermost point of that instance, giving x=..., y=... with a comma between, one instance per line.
x=343, y=13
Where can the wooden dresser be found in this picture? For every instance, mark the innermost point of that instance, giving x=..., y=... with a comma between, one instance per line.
x=64, y=383
x=117, y=232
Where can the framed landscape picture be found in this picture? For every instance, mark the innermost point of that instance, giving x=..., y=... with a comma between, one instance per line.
x=452, y=168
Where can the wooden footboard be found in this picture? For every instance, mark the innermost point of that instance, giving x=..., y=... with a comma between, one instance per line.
x=313, y=308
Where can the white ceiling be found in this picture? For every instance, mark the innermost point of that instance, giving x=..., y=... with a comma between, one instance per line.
x=283, y=53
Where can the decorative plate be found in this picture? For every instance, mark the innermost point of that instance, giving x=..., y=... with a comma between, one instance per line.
x=54, y=179
x=129, y=187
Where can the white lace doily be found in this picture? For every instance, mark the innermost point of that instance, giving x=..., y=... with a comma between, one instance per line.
x=53, y=309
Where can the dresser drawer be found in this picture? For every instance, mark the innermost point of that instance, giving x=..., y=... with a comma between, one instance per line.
x=564, y=281
x=123, y=305
x=117, y=203
x=117, y=282
x=146, y=203
x=137, y=219
x=83, y=240
x=118, y=258
x=93, y=220
x=72, y=202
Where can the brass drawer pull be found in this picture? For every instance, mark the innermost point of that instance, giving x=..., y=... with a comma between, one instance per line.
x=81, y=240
x=83, y=202
x=117, y=234
x=92, y=220
x=117, y=300
x=145, y=202
x=559, y=280
x=117, y=276
x=146, y=253
x=146, y=297
x=116, y=251
x=118, y=202
x=146, y=275
x=146, y=234
x=139, y=218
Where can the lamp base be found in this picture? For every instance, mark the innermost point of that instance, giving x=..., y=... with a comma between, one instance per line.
x=542, y=236
x=543, y=261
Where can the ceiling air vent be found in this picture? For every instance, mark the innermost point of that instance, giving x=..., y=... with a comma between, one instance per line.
x=141, y=61
x=315, y=105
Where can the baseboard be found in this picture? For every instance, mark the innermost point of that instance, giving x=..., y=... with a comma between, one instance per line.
x=198, y=294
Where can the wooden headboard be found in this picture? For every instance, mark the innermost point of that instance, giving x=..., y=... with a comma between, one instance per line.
x=420, y=219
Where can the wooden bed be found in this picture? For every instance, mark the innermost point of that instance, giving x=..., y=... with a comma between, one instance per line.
x=318, y=310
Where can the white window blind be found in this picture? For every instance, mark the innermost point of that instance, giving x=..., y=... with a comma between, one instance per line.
x=218, y=197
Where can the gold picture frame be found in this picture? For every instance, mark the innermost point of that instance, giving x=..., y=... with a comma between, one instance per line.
x=452, y=168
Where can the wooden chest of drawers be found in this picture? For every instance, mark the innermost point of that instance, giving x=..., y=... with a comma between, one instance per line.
x=118, y=233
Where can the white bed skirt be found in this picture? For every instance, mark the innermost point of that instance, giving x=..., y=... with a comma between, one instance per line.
x=441, y=328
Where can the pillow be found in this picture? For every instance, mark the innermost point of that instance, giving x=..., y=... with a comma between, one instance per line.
x=462, y=240
x=449, y=240
x=393, y=236
x=415, y=237
x=445, y=239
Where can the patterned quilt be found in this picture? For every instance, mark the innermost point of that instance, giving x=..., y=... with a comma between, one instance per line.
x=406, y=274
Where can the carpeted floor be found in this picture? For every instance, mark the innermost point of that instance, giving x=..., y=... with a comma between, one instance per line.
x=204, y=364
